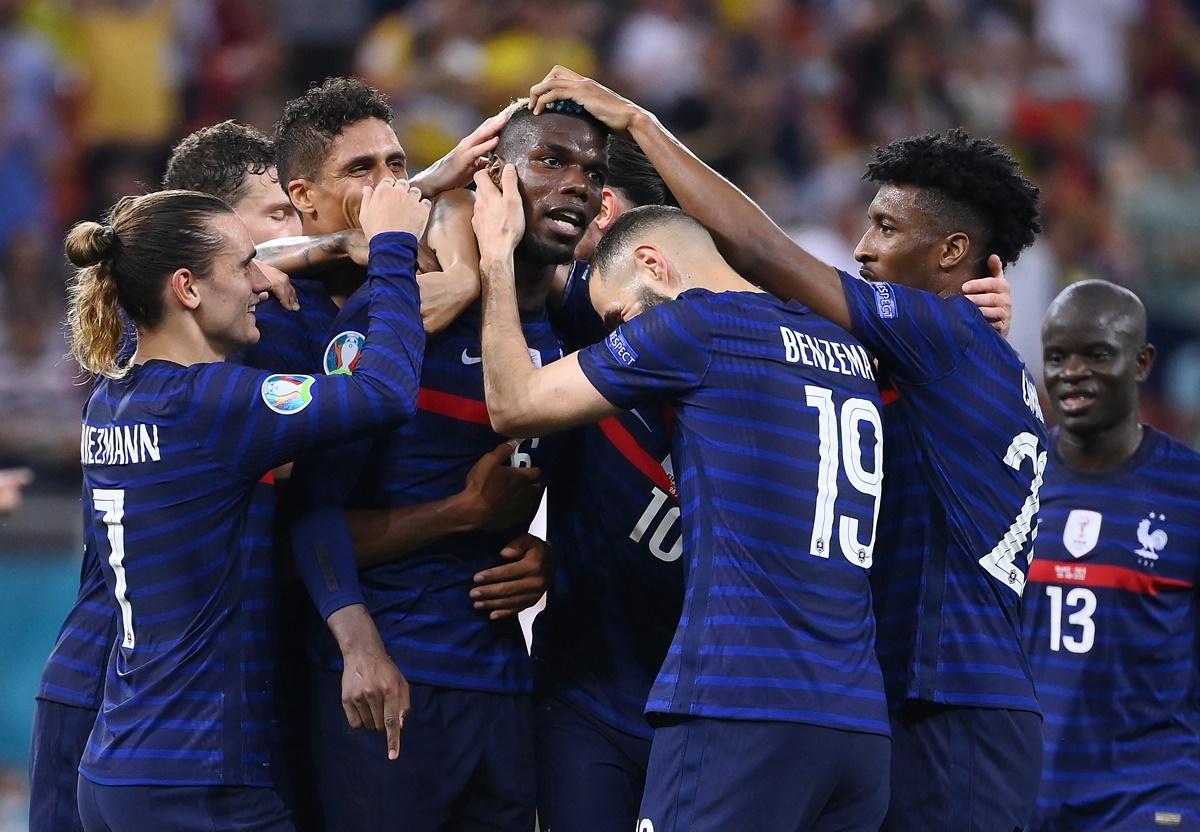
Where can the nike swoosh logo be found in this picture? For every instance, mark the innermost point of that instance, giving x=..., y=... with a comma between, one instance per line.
x=467, y=358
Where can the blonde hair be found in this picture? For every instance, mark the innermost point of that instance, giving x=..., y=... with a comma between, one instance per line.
x=122, y=266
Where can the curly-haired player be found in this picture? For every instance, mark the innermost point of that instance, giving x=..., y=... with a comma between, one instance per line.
x=966, y=449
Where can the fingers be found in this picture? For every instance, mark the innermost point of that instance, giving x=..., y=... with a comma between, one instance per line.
x=987, y=300
x=992, y=313
x=995, y=266
x=517, y=548
x=503, y=573
x=508, y=181
x=981, y=285
x=394, y=708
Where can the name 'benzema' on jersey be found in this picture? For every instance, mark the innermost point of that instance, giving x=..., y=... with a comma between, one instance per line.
x=832, y=356
x=119, y=444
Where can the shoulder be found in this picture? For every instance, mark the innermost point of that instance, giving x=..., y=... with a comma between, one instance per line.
x=1170, y=453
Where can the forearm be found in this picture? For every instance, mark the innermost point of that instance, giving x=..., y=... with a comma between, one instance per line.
x=384, y=535
x=507, y=368
x=754, y=245
x=297, y=255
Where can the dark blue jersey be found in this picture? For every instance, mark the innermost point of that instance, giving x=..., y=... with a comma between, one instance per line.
x=1111, y=621
x=613, y=519
x=173, y=458
x=420, y=604
x=74, y=672
x=778, y=465
x=966, y=453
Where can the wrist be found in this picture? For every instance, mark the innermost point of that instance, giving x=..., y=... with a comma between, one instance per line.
x=461, y=512
x=355, y=631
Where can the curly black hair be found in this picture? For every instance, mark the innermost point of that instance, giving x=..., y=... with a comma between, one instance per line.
x=630, y=172
x=967, y=183
x=217, y=159
x=312, y=121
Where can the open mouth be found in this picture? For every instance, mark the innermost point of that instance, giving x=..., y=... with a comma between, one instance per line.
x=1076, y=401
x=566, y=221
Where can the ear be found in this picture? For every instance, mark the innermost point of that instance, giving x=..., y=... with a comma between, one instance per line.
x=299, y=192
x=1145, y=361
x=652, y=266
x=182, y=286
x=608, y=209
x=495, y=167
x=953, y=250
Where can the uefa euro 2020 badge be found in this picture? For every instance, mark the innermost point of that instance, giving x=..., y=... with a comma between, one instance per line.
x=343, y=352
x=287, y=394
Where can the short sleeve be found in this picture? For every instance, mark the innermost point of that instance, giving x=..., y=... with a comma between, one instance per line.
x=664, y=353
x=918, y=336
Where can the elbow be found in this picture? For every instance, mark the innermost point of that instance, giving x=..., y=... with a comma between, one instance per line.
x=515, y=422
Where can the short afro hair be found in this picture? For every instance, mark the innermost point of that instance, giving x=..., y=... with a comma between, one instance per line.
x=312, y=121
x=631, y=225
x=217, y=159
x=521, y=124
x=973, y=183
x=630, y=172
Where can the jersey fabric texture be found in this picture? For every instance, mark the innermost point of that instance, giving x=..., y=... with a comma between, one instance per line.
x=1110, y=625
x=421, y=603
x=777, y=533
x=966, y=451
x=173, y=458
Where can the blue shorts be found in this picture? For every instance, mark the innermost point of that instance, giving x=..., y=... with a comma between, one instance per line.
x=590, y=776
x=720, y=775
x=181, y=808
x=466, y=763
x=60, y=734
x=966, y=769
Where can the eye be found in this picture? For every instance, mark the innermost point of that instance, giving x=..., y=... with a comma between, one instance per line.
x=278, y=216
x=886, y=228
x=1099, y=355
x=597, y=176
x=397, y=165
x=552, y=161
x=1052, y=357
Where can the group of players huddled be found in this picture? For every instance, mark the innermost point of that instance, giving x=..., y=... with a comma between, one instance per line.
x=791, y=512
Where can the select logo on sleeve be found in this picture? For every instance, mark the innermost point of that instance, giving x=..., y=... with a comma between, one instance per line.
x=287, y=394
x=620, y=348
x=885, y=300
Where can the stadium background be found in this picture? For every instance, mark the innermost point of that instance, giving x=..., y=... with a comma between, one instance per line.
x=1100, y=99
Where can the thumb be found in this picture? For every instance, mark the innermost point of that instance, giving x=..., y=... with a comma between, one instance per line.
x=516, y=549
x=508, y=180
x=995, y=266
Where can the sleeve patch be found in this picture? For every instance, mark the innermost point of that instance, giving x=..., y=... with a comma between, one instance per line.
x=620, y=348
x=287, y=394
x=343, y=353
x=885, y=300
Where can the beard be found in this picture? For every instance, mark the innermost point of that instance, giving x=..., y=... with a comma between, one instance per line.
x=649, y=298
x=544, y=253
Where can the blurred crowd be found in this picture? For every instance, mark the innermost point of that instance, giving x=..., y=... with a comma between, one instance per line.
x=1099, y=98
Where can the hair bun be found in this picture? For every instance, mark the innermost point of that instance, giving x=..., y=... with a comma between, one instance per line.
x=89, y=243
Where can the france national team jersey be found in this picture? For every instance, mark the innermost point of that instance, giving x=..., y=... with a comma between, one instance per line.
x=966, y=454
x=172, y=460
x=421, y=603
x=779, y=468
x=74, y=672
x=1110, y=627
x=613, y=521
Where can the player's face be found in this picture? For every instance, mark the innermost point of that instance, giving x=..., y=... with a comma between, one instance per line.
x=231, y=290
x=561, y=172
x=1091, y=370
x=266, y=209
x=898, y=246
x=619, y=298
x=364, y=153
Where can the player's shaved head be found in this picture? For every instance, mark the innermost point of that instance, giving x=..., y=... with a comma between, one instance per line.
x=1103, y=304
x=664, y=226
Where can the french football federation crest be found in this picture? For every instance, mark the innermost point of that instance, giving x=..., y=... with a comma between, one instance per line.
x=343, y=352
x=1152, y=540
x=1082, y=531
x=287, y=394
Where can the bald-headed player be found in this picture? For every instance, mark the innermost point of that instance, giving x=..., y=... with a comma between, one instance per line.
x=1110, y=614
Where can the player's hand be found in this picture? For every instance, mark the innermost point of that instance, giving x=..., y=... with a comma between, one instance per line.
x=993, y=296
x=280, y=286
x=505, y=590
x=392, y=205
x=375, y=695
x=12, y=480
x=562, y=84
x=444, y=295
x=497, y=496
x=455, y=169
x=499, y=216
x=354, y=245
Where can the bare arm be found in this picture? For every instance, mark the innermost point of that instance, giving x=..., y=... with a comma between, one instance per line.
x=445, y=294
x=522, y=400
x=375, y=694
x=298, y=255
x=455, y=169
x=754, y=245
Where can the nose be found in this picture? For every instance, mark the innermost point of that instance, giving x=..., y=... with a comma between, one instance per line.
x=861, y=251
x=1074, y=367
x=575, y=181
x=259, y=282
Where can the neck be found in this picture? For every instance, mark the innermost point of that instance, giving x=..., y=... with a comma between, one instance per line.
x=718, y=278
x=533, y=280
x=181, y=345
x=1100, y=450
x=949, y=284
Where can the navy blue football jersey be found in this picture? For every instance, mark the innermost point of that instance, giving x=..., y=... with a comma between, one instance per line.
x=421, y=603
x=174, y=460
x=966, y=454
x=778, y=459
x=289, y=340
x=1110, y=625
